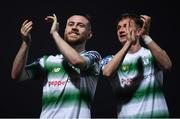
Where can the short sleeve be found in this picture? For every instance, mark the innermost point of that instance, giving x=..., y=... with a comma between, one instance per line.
x=105, y=61
x=93, y=59
x=36, y=68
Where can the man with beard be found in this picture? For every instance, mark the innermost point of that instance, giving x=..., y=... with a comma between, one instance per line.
x=70, y=77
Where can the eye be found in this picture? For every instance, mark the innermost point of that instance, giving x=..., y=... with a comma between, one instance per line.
x=118, y=27
x=81, y=25
x=70, y=24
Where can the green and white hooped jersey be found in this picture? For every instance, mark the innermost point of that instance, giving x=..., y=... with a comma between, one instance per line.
x=67, y=91
x=139, y=86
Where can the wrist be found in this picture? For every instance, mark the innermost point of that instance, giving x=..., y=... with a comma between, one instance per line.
x=54, y=33
x=26, y=40
x=147, y=39
x=26, y=44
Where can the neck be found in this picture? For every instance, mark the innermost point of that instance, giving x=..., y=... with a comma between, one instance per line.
x=79, y=48
x=135, y=47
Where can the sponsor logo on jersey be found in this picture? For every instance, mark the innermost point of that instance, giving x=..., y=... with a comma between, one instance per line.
x=56, y=83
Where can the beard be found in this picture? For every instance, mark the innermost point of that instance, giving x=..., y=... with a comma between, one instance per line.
x=75, y=40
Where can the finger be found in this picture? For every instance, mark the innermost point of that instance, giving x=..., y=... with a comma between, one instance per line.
x=49, y=18
x=55, y=19
x=26, y=21
x=54, y=15
x=23, y=24
x=131, y=30
x=141, y=31
x=27, y=25
x=143, y=20
x=128, y=29
x=133, y=36
x=25, y=32
x=144, y=16
x=28, y=30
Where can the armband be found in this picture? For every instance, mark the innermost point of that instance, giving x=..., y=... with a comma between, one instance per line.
x=147, y=39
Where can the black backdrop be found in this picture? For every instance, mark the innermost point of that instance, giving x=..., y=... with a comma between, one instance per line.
x=24, y=99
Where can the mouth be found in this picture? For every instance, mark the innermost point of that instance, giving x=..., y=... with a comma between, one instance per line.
x=73, y=33
x=122, y=35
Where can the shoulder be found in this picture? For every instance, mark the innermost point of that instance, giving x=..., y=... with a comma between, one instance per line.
x=109, y=57
x=53, y=57
x=92, y=54
x=106, y=59
x=42, y=60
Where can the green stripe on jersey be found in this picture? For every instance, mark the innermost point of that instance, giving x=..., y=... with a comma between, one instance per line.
x=66, y=99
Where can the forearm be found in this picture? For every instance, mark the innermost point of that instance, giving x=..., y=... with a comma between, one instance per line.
x=18, y=69
x=113, y=65
x=68, y=52
x=160, y=55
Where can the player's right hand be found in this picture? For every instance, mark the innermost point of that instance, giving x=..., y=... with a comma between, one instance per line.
x=25, y=31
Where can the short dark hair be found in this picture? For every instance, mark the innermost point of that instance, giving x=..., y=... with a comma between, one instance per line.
x=135, y=17
x=87, y=16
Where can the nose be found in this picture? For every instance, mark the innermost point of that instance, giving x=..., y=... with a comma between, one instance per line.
x=121, y=30
x=74, y=28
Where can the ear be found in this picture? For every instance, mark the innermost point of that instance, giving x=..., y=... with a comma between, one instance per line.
x=139, y=32
x=90, y=35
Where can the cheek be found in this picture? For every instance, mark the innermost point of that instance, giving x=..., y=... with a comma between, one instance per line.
x=65, y=34
x=65, y=31
x=117, y=33
x=83, y=32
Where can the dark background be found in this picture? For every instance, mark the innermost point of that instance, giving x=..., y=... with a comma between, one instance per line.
x=24, y=99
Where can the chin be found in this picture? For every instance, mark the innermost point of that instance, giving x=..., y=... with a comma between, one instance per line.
x=70, y=39
x=123, y=41
x=74, y=41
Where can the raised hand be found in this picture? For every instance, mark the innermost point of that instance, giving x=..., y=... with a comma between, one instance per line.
x=146, y=25
x=55, y=24
x=130, y=32
x=25, y=31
